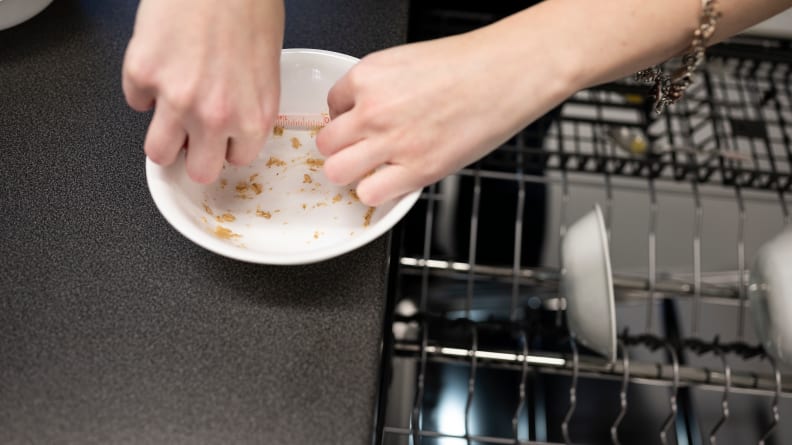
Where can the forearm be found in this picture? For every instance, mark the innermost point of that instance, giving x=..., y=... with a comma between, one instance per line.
x=593, y=42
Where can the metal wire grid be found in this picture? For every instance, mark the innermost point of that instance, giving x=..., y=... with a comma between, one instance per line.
x=729, y=140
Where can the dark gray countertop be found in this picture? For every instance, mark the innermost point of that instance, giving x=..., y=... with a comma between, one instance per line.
x=116, y=329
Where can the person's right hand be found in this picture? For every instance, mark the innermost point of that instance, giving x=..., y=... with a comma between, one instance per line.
x=211, y=70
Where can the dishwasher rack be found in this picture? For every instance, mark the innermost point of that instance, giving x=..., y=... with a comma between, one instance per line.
x=463, y=313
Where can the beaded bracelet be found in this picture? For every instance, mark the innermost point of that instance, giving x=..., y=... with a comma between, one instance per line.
x=667, y=89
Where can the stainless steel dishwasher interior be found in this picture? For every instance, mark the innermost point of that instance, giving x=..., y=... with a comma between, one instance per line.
x=481, y=353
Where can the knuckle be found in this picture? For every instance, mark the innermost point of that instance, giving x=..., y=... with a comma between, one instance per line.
x=138, y=70
x=215, y=115
x=254, y=125
x=182, y=98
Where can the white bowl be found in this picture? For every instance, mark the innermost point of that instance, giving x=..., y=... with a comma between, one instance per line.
x=770, y=292
x=587, y=283
x=14, y=12
x=281, y=209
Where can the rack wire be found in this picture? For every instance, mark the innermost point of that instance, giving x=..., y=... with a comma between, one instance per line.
x=479, y=293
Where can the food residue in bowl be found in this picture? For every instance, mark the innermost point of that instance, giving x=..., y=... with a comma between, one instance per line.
x=225, y=217
x=337, y=198
x=353, y=195
x=225, y=233
x=367, y=216
x=295, y=142
x=263, y=213
x=248, y=189
x=207, y=209
x=277, y=131
x=314, y=163
x=307, y=179
x=275, y=161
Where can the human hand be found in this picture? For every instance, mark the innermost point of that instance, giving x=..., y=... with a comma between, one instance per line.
x=212, y=73
x=422, y=111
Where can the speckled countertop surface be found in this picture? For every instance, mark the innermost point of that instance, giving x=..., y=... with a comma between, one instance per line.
x=116, y=329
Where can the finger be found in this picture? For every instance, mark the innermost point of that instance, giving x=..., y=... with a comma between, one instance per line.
x=341, y=97
x=205, y=157
x=354, y=162
x=242, y=151
x=389, y=182
x=251, y=135
x=165, y=136
x=341, y=132
x=138, y=97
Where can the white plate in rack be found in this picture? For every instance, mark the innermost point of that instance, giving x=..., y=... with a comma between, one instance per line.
x=281, y=209
x=587, y=283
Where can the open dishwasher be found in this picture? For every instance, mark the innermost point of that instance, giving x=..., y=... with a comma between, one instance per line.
x=481, y=352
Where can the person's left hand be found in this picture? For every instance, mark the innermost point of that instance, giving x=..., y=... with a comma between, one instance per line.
x=419, y=112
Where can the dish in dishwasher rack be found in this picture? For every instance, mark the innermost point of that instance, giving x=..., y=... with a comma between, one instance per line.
x=587, y=283
x=281, y=209
x=770, y=292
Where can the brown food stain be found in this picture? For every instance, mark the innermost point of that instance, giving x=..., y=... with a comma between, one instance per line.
x=277, y=131
x=314, y=162
x=262, y=213
x=207, y=209
x=257, y=188
x=296, y=143
x=317, y=234
x=223, y=183
x=304, y=206
x=337, y=198
x=367, y=216
x=253, y=177
x=353, y=195
x=315, y=131
x=307, y=179
x=275, y=161
x=225, y=217
x=225, y=233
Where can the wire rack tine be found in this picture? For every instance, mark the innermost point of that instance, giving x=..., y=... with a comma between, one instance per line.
x=521, y=389
x=741, y=263
x=784, y=207
x=562, y=233
x=614, y=429
x=415, y=419
x=600, y=144
x=474, y=220
x=673, y=397
x=696, y=316
x=725, y=400
x=427, y=249
x=652, y=256
x=572, y=391
x=518, y=229
x=774, y=408
x=471, y=380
